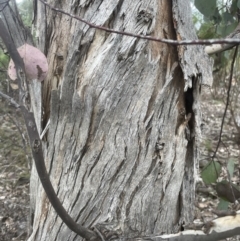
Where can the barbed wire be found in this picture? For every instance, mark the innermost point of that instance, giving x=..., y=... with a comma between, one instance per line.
x=150, y=38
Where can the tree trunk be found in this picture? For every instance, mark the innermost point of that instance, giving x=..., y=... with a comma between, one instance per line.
x=122, y=147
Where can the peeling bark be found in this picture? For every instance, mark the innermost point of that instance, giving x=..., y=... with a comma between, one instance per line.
x=122, y=147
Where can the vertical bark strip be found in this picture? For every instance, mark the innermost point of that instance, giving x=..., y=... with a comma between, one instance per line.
x=118, y=149
x=197, y=71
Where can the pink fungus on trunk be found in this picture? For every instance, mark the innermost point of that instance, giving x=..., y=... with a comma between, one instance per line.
x=36, y=66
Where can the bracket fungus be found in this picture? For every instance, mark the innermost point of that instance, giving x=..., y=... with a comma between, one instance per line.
x=35, y=62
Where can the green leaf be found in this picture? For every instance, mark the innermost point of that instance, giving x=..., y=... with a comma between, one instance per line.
x=216, y=17
x=211, y=172
x=230, y=167
x=227, y=17
x=238, y=4
x=206, y=7
x=222, y=205
x=233, y=7
x=206, y=31
x=226, y=29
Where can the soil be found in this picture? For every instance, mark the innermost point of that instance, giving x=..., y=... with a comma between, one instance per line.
x=14, y=177
x=213, y=107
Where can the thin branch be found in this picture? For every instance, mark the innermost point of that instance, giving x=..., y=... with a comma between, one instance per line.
x=150, y=38
x=234, y=118
x=227, y=102
x=10, y=100
x=20, y=131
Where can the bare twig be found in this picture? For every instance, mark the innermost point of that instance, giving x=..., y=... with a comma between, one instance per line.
x=24, y=141
x=224, y=116
x=10, y=100
x=227, y=102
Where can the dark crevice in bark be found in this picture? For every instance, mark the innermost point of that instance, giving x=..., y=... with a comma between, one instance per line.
x=179, y=209
x=132, y=174
x=131, y=198
x=171, y=102
x=58, y=231
x=95, y=163
x=112, y=18
x=147, y=142
x=113, y=198
x=80, y=212
x=58, y=183
x=51, y=161
x=160, y=111
x=93, y=214
x=75, y=238
x=120, y=206
x=85, y=147
x=188, y=96
x=147, y=146
x=129, y=204
x=54, y=117
x=112, y=181
x=148, y=125
x=172, y=166
x=104, y=173
x=116, y=173
x=151, y=168
x=48, y=30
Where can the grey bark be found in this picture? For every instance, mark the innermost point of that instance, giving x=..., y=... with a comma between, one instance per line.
x=121, y=150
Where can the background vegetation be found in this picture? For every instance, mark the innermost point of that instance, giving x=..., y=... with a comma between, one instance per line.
x=218, y=19
x=15, y=157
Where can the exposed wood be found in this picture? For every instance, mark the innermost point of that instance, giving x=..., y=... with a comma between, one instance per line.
x=216, y=48
x=190, y=235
